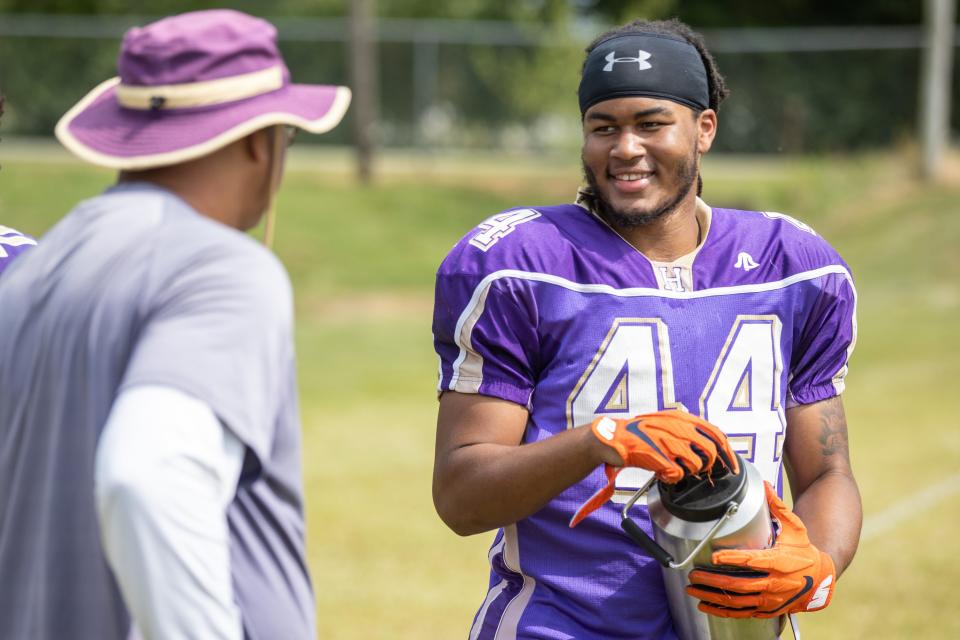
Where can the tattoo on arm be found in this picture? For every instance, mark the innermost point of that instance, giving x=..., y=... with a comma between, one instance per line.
x=833, y=430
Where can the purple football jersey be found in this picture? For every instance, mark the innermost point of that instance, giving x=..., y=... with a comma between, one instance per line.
x=12, y=243
x=551, y=309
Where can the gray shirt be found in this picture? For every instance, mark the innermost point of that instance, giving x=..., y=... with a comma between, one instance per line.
x=135, y=287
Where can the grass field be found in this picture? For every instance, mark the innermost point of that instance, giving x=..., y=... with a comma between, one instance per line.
x=362, y=262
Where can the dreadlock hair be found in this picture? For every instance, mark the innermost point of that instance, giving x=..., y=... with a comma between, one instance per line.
x=715, y=83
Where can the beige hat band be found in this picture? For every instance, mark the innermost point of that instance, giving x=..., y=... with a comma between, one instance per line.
x=200, y=94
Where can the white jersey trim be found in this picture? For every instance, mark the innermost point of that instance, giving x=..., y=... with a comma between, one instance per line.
x=492, y=595
x=510, y=620
x=467, y=374
x=839, y=384
x=469, y=364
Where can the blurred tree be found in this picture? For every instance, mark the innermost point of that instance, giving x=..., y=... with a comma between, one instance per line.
x=506, y=72
x=523, y=11
x=456, y=93
x=702, y=13
x=168, y=7
x=620, y=11
x=750, y=13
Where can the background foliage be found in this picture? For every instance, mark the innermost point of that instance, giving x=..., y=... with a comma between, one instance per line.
x=705, y=13
x=520, y=95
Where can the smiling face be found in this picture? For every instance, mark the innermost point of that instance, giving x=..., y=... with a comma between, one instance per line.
x=641, y=156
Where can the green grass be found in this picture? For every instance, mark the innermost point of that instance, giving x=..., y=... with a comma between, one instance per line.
x=362, y=262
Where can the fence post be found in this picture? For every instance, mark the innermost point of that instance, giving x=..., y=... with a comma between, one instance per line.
x=363, y=76
x=936, y=73
x=426, y=68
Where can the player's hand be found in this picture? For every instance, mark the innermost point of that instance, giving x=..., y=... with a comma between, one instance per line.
x=790, y=577
x=672, y=444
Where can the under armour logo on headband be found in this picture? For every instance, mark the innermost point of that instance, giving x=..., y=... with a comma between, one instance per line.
x=678, y=75
x=641, y=60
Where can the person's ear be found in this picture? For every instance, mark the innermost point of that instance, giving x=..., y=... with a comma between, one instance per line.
x=257, y=146
x=706, y=130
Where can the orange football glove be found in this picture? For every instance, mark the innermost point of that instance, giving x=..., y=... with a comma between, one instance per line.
x=670, y=443
x=790, y=577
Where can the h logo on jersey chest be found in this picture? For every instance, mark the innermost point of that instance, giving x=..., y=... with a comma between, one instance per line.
x=672, y=282
x=641, y=60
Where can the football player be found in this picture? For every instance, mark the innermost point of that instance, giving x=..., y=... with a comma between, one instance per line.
x=556, y=324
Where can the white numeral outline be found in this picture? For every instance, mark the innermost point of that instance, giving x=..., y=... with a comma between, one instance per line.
x=494, y=229
x=617, y=348
x=663, y=361
x=755, y=446
x=741, y=320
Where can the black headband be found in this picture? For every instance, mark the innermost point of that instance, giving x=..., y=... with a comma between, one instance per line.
x=644, y=64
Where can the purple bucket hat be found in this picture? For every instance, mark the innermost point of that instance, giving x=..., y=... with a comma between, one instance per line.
x=189, y=85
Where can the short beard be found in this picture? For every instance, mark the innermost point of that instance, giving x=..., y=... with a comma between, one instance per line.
x=619, y=219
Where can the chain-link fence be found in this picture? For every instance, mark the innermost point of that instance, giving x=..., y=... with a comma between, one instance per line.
x=498, y=85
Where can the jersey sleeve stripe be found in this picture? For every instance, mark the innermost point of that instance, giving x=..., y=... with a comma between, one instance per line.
x=839, y=377
x=499, y=617
x=468, y=367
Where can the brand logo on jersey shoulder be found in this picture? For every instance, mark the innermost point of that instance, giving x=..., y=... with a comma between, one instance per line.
x=773, y=215
x=641, y=60
x=745, y=261
x=500, y=226
x=819, y=599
